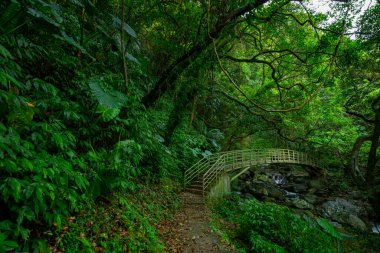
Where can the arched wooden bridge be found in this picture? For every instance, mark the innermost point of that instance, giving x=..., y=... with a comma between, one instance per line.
x=207, y=172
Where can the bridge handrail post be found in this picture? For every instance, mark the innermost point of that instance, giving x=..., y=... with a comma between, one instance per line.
x=198, y=168
x=212, y=174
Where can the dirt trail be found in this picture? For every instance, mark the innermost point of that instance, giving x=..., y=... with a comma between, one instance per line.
x=190, y=232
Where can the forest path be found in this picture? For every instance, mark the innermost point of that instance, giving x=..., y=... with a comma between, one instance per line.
x=190, y=232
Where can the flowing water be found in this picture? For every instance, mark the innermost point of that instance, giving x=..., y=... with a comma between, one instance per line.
x=376, y=228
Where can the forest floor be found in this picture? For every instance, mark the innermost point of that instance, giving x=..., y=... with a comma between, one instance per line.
x=190, y=232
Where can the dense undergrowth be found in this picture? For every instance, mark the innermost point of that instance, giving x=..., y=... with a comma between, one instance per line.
x=121, y=223
x=255, y=226
x=267, y=227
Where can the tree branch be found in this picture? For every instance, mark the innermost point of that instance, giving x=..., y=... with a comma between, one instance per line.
x=359, y=115
x=355, y=170
x=273, y=123
x=175, y=69
x=374, y=103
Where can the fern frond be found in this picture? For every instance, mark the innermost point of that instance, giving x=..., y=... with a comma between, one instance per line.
x=109, y=99
x=9, y=18
x=107, y=114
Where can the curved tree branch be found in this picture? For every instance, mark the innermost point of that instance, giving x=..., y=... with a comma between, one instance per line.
x=272, y=122
x=178, y=66
x=359, y=115
x=355, y=170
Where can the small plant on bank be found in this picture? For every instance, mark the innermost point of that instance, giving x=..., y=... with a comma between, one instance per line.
x=267, y=227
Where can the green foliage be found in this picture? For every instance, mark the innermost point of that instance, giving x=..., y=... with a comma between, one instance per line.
x=260, y=244
x=6, y=245
x=369, y=26
x=267, y=227
x=123, y=224
x=49, y=141
x=72, y=131
x=37, y=187
x=111, y=100
x=328, y=228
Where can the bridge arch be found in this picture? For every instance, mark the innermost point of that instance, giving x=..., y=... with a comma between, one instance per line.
x=211, y=171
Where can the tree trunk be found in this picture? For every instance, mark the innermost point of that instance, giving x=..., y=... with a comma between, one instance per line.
x=186, y=95
x=192, y=116
x=372, y=158
x=355, y=171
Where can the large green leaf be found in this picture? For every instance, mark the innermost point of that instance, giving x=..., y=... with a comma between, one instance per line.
x=15, y=185
x=328, y=228
x=6, y=245
x=107, y=113
x=127, y=28
x=6, y=78
x=132, y=58
x=9, y=18
x=4, y=52
x=38, y=14
x=110, y=99
x=72, y=42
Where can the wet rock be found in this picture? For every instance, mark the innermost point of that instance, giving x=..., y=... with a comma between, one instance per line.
x=356, y=222
x=274, y=192
x=356, y=194
x=336, y=225
x=299, y=188
x=259, y=189
x=340, y=205
x=316, y=183
x=301, y=180
x=302, y=204
x=298, y=172
x=264, y=178
x=290, y=195
x=313, y=190
x=344, y=211
x=311, y=198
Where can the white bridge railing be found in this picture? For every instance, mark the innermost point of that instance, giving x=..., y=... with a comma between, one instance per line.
x=210, y=168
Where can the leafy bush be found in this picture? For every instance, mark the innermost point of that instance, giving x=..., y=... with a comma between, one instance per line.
x=267, y=227
x=36, y=187
x=111, y=228
x=121, y=224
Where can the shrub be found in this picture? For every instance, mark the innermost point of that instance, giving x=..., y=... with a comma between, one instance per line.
x=267, y=227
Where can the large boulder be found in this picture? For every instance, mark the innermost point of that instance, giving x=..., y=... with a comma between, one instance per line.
x=315, y=184
x=298, y=172
x=263, y=189
x=258, y=188
x=299, y=188
x=339, y=205
x=344, y=211
x=356, y=222
x=311, y=198
x=301, y=204
x=274, y=192
x=264, y=178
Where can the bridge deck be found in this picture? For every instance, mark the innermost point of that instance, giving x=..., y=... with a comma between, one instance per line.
x=211, y=167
